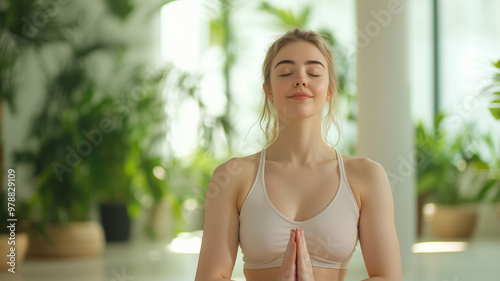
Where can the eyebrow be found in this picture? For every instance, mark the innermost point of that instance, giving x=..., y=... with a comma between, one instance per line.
x=293, y=62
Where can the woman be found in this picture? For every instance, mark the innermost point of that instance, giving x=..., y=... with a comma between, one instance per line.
x=298, y=207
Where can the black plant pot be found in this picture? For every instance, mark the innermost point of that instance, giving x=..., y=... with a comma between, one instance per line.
x=115, y=222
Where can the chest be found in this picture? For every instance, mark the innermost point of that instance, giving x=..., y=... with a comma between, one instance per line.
x=300, y=194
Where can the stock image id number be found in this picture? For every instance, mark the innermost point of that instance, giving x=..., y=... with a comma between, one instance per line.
x=11, y=192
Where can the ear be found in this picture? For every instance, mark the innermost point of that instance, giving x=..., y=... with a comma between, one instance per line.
x=267, y=91
x=329, y=95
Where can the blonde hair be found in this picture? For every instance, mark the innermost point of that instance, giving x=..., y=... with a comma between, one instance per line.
x=268, y=118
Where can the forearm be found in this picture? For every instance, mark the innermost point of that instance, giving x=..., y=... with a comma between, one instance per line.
x=220, y=277
x=381, y=279
x=216, y=279
x=203, y=276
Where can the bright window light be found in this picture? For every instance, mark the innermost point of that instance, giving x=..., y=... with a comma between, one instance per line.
x=439, y=247
x=180, y=34
x=186, y=243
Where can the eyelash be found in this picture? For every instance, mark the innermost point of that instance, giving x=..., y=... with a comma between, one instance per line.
x=284, y=75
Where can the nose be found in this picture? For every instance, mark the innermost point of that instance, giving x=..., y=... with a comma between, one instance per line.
x=300, y=82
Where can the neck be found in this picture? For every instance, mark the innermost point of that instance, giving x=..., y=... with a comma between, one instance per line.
x=300, y=143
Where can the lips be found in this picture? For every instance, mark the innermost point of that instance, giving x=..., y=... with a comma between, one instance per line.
x=300, y=96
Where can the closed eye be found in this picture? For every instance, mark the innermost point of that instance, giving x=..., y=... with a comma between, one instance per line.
x=284, y=75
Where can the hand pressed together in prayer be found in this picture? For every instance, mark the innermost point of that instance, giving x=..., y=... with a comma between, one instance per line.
x=296, y=264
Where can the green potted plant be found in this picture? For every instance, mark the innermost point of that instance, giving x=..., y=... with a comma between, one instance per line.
x=108, y=148
x=74, y=168
x=62, y=206
x=83, y=148
x=19, y=38
x=122, y=164
x=55, y=147
x=103, y=170
x=444, y=162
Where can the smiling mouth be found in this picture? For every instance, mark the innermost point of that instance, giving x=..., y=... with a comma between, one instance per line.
x=300, y=96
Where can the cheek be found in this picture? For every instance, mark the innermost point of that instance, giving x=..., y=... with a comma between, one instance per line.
x=322, y=87
x=279, y=86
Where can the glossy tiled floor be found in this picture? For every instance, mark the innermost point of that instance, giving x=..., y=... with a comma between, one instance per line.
x=153, y=261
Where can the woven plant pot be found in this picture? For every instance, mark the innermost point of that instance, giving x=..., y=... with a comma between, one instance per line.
x=454, y=222
x=75, y=239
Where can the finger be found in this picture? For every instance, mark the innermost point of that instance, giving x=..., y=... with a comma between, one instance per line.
x=293, y=254
x=292, y=238
x=303, y=246
x=288, y=269
x=304, y=267
x=294, y=260
x=290, y=243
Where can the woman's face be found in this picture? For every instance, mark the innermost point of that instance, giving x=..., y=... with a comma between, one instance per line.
x=299, y=81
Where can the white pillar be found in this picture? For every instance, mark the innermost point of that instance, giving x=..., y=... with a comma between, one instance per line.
x=385, y=127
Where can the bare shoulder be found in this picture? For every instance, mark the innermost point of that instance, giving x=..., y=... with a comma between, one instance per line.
x=238, y=167
x=235, y=176
x=365, y=176
x=361, y=166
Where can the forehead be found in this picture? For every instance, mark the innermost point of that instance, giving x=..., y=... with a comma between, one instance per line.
x=300, y=52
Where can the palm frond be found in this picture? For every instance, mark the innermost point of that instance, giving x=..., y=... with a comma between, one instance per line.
x=285, y=18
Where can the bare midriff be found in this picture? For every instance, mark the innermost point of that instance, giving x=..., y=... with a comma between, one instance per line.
x=271, y=274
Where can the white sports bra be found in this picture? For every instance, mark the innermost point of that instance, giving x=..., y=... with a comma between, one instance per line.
x=331, y=235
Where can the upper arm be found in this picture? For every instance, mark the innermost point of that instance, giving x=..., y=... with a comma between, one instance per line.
x=377, y=231
x=220, y=233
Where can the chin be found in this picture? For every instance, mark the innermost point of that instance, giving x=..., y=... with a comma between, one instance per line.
x=298, y=114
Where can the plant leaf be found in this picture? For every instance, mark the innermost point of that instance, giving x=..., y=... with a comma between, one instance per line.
x=495, y=108
x=497, y=64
